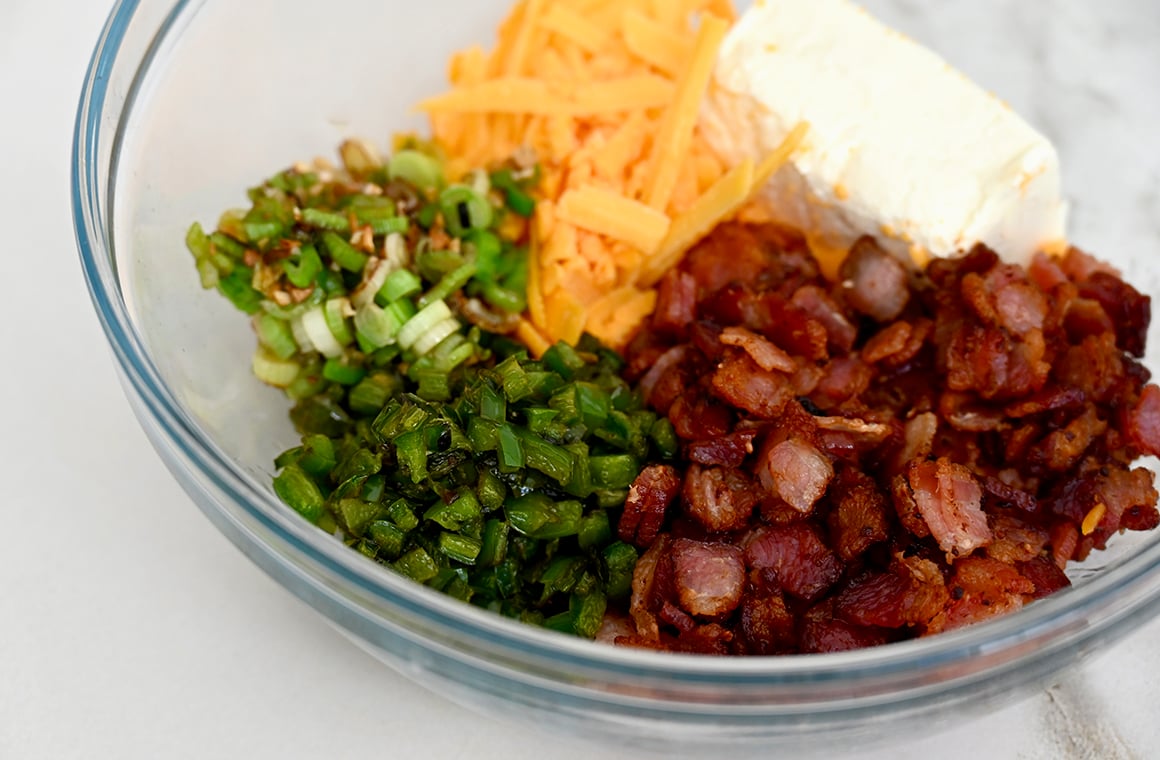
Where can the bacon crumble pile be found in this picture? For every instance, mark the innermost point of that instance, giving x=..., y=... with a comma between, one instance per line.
x=891, y=456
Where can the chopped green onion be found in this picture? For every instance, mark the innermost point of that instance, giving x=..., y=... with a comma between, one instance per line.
x=427, y=318
x=465, y=210
x=417, y=168
x=488, y=253
x=450, y=283
x=314, y=324
x=276, y=336
x=336, y=311
x=504, y=299
x=237, y=288
x=337, y=370
x=326, y=220
x=344, y=254
x=376, y=326
x=401, y=283
x=436, y=335
x=272, y=370
x=411, y=451
x=302, y=268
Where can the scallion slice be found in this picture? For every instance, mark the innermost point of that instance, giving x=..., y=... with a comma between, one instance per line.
x=427, y=318
x=375, y=326
x=337, y=310
x=315, y=326
x=272, y=370
x=417, y=168
x=433, y=337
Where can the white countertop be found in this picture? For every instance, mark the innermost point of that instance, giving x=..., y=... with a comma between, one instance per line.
x=129, y=628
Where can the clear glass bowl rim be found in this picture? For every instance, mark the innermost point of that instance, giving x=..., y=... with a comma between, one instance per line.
x=1103, y=607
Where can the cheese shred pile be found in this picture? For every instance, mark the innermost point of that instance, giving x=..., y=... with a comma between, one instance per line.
x=607, y=94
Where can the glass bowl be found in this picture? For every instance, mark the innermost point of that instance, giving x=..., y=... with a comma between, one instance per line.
x=189, y=102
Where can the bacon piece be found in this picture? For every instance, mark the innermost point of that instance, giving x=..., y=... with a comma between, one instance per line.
x=1130, y=311
x=739, y=381
x=1062, y=448
x=719, y=499
x=676, y=304
x=649, y=498
x=795, y=472
x=874, y=282
x=817, y=305
x=845, y=377
x=887, y=342
x=983, y=588
x=1095, y=367
x=912, y=593
x=1143, y=427
x=1080, y=266
x=1044, y=574
x=1015, y=540
x=766, y=355
x=696, y=417
x=859, y=520
x=732, y=254
x=821, y=636
x=1046, y=272
x=710, y=578
x=794, y=559
x=644, y=589
x=723, y=451
x=950, y=501
x=665, y=363
x=767, y=625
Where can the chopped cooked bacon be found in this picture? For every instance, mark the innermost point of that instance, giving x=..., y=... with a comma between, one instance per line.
x=817, y=305
x=898, y=455
x=794, y=559
x=874, y=282
x=649, y=498
x=710, y=577
x=664, y=364
x=766, y=355
x=740, y=382
x=1144, y=421
x=676, y=304
x=795, y=472
x=719, y=499
x=859, y=520
x=888, y=342
x=950, y=501
x=1079, y=266
x=644, y=587
x=767, y=624
x=723, y=451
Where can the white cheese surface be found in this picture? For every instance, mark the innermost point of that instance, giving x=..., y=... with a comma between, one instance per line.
x=901, y=145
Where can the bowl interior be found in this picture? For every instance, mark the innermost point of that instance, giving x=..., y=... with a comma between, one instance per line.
x=234, y=92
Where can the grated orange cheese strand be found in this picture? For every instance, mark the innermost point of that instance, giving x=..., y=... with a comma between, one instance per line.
x=775, y=160
x=526, y=96
x=516, y=61
x=532, y=338
x=724, y=198
x=573, y=26
x=566, y=318
x=655, y=44
x=1091, y=521
x=617, y=314
x=608, y=213
x=672, y=144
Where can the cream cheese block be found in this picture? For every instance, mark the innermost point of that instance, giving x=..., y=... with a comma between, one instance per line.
x=901, y=146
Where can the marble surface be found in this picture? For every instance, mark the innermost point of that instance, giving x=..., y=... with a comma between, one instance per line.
x=130, y=629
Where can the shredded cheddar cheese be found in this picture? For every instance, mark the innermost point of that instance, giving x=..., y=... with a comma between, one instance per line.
x=607, y=94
